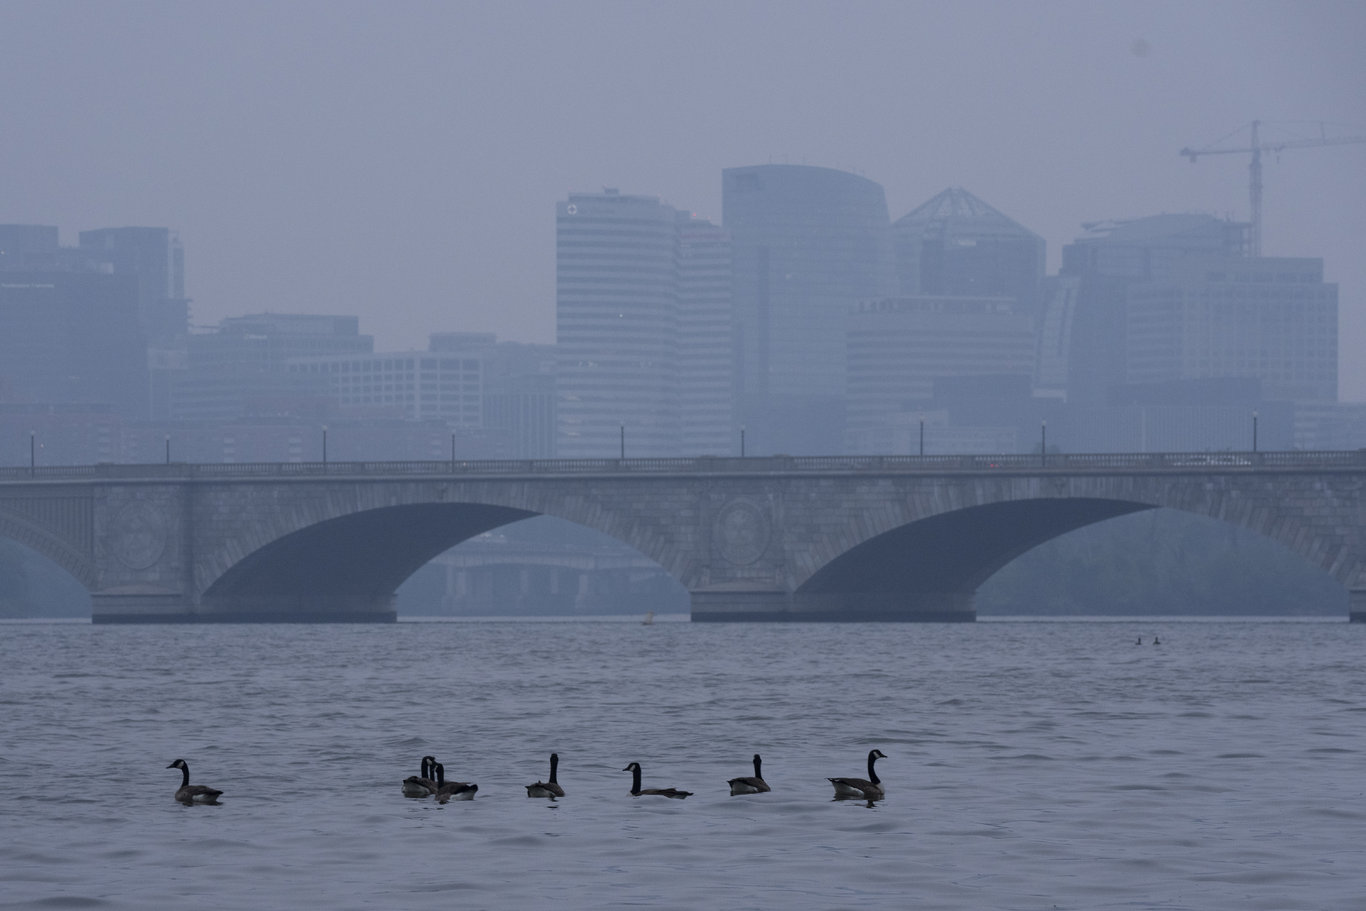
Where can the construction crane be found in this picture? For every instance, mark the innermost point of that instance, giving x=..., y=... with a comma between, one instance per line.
x=1257, y=147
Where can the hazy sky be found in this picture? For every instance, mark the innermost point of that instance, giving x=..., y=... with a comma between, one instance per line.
x=401, y=160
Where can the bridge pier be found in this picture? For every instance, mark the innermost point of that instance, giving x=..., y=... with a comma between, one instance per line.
x=750, y=606
x=154, y=607
x=1356, y=605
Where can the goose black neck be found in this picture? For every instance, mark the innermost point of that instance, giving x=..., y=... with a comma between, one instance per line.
x=635, y=778
x=184, y=776
x=554, y=763
x=872, y=775
x=757, y=762
x=440, y=773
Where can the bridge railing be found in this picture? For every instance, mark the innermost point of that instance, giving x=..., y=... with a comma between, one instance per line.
x=1059, y=462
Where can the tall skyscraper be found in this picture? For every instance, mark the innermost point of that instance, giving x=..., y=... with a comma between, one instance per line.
x=642, y=309
x=955, y=244
x=706, y=339
x=808, y=244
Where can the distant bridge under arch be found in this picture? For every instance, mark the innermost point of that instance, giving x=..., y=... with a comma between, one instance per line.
x=797, y=538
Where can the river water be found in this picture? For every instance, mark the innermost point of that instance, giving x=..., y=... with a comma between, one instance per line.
x=1030, y=765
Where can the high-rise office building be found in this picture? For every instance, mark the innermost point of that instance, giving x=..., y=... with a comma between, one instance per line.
x=706, y=339
x=1083, y=329
x=641, y=309
x=808, y=244
x=156, y=257
x=955, y=244
x=1270, y=319
x=900, y=349
x=29, y=248
x=70, y=338
x=241, y=367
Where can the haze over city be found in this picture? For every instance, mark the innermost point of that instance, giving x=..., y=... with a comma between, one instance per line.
x=402, y=162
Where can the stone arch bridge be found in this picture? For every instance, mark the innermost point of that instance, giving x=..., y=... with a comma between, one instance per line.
x=805, y=538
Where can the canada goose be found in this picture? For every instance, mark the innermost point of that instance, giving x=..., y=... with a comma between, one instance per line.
x=452, y=790
x=421, y=785
x=636, y=790
x=748, y=785
x=864, y=789
x=196, y=793
x=549, y=788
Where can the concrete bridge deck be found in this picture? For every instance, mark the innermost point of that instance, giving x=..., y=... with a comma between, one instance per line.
x=813, y=538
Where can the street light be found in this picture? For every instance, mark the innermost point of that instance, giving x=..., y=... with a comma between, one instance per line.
x=1043, y=442
x=168, y=449
x=324, y=444
x=742, y=441
x=1254, y=431
x=623, y=441
x=32, y=458
x=922, y=436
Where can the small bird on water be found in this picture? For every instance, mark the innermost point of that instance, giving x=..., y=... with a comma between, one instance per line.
x=192, y=793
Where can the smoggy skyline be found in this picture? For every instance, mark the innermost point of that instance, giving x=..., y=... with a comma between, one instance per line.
x=402, y=161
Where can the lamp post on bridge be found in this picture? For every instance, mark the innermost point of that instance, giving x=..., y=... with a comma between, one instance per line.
x=623, y=441
x=32, y=451
x=1254, y=431
x=922, y=436
x=324, y=445
x=742, y=441
x=1043, y=442
x=168, y=449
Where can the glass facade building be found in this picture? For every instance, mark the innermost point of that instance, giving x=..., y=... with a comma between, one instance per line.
x=809, y=243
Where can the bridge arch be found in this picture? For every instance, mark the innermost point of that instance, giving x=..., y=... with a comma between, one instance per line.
x=931, y=557
x=52, y=545
x=942, y=559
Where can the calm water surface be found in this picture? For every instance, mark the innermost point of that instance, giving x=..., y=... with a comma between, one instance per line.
x=1030, y=765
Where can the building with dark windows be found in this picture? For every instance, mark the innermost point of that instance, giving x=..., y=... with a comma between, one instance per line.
x=72, y=338
x=1083, y=346
x=957, y=245
x=643, y=328
x=1271, y=319
x=808, y=244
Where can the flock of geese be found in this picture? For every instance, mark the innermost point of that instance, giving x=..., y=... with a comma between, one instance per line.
x=431, y=782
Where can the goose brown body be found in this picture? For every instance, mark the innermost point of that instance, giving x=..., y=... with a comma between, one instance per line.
x=192, y=793
x=423, y=784
x=750, y=784
x=549, y=788
x=869, y=788
x=638, y=791
x=452, y=790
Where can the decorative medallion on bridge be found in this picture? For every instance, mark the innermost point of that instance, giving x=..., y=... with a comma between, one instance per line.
x=139, y=535
x=742, y=532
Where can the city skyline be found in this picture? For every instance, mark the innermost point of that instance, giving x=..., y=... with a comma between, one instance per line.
x=403, y=163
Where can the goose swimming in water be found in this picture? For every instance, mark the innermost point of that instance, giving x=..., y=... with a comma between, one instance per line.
x=452, y=790
x=421, y=785
x=196, y=793
x=869, y=788
x=748, y=784
x=549, y=788
x=637, y=791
